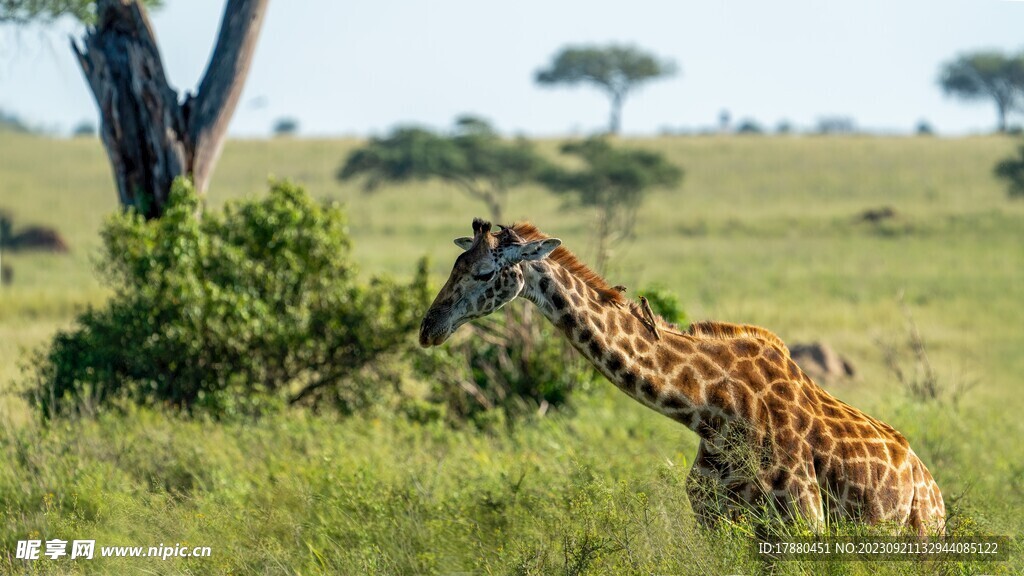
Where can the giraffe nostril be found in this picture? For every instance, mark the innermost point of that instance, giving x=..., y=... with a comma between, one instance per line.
x=433, y=328
x=426, y=329
x=424, y=337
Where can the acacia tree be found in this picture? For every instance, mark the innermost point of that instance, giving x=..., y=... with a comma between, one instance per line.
x=986, y=76
x=151, y=137
x=613, y=182
x=615, y=70
x=473, y=157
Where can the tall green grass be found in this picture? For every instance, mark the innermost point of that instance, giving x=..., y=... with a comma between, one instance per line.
x=763, y=230
x=599, y=493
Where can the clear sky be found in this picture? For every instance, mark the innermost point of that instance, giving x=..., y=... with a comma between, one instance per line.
x=359, y=68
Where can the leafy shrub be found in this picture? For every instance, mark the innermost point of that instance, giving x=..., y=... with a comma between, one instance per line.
x=231, y=313
x=665, y=303
x=509, y=367
x=749, y=126
x=1012, y=171
x=286, y=127
x=6, y=227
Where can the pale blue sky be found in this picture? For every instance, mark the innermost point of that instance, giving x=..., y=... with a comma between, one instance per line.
x=362, y=67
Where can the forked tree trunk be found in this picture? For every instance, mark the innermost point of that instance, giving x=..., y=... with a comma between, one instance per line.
x=150, y=137
x=615, y=119
x=1001, y=111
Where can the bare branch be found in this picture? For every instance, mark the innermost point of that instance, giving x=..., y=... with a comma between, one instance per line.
x=209, y=112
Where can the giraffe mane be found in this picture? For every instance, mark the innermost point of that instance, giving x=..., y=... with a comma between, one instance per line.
x=528, y=232
x=728, y=331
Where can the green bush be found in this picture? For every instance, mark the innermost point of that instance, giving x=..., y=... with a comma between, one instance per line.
x=665, y=303
x=505, y=368
x=231, y=313
x=1012, y=171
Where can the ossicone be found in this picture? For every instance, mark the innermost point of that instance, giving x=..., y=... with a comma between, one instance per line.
x=481, y=226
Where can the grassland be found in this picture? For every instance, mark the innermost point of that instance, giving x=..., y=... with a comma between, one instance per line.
x=763, y=230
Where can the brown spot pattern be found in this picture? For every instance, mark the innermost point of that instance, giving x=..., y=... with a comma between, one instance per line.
x=809, y=448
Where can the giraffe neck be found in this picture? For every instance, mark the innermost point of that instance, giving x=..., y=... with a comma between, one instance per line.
x=670, y=376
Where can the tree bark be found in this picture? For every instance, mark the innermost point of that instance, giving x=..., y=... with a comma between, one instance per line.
x=150, y=138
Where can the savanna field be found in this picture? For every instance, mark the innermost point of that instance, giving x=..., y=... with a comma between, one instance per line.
x=763, y=230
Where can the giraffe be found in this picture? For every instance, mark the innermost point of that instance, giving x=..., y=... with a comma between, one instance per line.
x=770, y=438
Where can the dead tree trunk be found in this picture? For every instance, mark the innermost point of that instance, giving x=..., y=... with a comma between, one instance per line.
x=150, y=137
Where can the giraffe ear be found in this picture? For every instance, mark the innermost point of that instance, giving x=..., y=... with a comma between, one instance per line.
x=465, y=242
x=536, y=250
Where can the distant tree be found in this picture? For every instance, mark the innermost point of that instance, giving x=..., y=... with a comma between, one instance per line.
x=1012, y=171
x=749, y=126
x=286, y=127
x=836, y=125
x=924, y=128
x=12, y=122
x=987, y=75
x=150, y=134
x=613, y=182
x=616, y=70
x=84, y=128
x=472, y=157
x=724, y=121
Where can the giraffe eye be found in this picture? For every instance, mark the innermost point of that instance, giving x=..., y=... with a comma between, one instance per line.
x=483, y=277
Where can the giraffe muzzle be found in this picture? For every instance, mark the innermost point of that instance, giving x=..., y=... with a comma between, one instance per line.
x=433, y=330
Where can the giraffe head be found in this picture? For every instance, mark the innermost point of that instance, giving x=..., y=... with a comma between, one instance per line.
x=486, y=276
